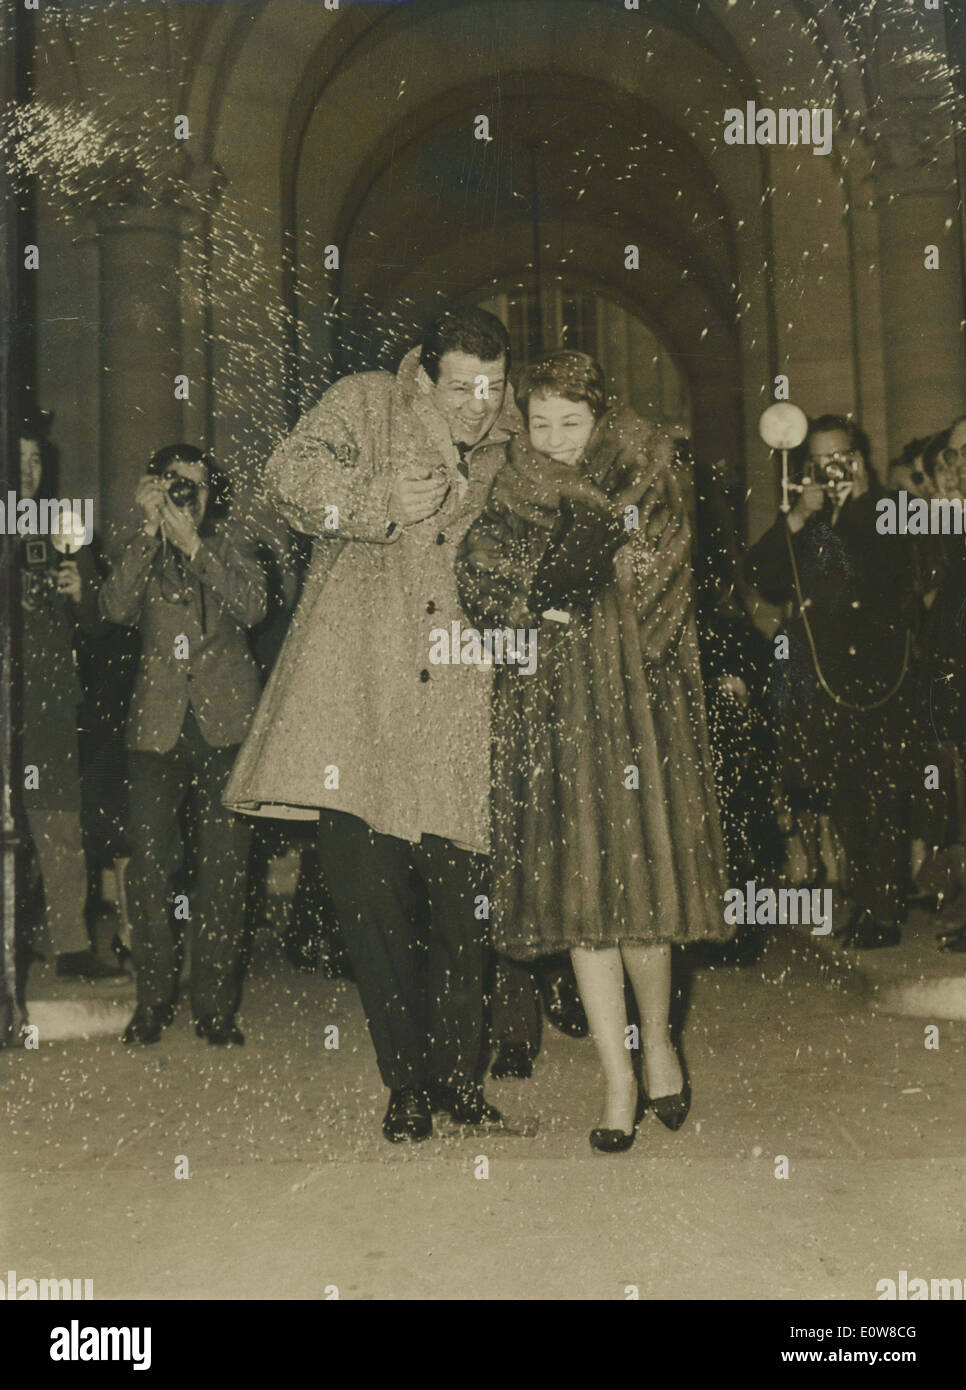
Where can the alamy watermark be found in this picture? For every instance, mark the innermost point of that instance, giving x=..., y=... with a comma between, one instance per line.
x=76, y=1343
x=41, y=1290
x=501, y=646
x=810, y=907
x=907, y=514
x=918, y=1290
x=760, y=125
x=48, y=516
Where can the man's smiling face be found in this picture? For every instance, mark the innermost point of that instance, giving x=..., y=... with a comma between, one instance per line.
x=458, y=395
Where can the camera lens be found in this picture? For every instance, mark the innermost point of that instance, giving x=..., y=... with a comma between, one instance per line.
x=182, y=491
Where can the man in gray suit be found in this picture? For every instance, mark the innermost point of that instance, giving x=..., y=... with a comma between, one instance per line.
x=192, y=588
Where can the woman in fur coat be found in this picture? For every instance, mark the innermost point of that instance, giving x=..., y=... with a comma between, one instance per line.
x=605, y=830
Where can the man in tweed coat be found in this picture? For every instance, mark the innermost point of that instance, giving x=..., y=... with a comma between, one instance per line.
x=359, y=727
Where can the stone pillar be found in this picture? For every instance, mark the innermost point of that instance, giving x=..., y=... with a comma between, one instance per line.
x=204, y=184
x=917, y=196
x=139, y=344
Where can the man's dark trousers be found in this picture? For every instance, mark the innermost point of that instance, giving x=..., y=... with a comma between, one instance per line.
x=216, y=915
x=424, y=1008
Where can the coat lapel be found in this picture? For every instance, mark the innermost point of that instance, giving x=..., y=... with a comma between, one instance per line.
x=429, y=429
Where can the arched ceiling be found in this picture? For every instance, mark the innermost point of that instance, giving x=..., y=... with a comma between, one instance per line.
x=338, y=127
x=344, y=37
x=585, y=151
x=599, y=106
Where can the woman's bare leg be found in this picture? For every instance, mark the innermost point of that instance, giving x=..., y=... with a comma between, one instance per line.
x=600, y=978
x=649, y=968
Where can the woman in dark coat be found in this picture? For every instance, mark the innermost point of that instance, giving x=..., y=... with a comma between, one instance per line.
x=605, y=832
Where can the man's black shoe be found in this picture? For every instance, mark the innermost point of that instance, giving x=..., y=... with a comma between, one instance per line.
x=954, y=940
x=866, y=934
x=145, y=1026
x=513, y=1061
x=84, y=965
x=466, y=1105
x=220, y=1031
x=409, y=1116
x=562, y=1002
x=336, y=965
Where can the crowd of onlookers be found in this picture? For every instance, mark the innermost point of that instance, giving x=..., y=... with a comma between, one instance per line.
x=838, y=753
x=854, y=711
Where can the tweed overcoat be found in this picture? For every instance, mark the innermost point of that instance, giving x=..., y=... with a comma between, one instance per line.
x=356, y=716
x=209, y=603
x=605, y=826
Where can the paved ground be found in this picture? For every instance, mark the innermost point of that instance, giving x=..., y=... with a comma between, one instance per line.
x=292, y=1190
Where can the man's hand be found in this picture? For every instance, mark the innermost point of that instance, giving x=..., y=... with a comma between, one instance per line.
x=812, y=500
x=69, y=580
x=179, y=528
x=414, y=499
x=150, y=498
x=860, y=483
x=734, y=687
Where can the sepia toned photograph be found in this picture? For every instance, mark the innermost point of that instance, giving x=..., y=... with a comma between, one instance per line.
x=483, y=662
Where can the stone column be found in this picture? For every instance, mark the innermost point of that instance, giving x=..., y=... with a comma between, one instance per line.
x=139, y=343
x=917, y=195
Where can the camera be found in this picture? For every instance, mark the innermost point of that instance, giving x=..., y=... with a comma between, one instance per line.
x=182, y=491
x=831, y=472
x=40, y=572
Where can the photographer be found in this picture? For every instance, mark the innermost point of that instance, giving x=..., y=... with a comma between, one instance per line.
x=59, y=597
x=193, y=590
x=843, y=698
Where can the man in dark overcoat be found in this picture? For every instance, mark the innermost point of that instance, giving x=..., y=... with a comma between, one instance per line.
x=844, y=692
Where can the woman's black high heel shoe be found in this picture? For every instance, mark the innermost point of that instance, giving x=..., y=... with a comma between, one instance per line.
x=672, y=1111
x=615, y=1141
x=121, y=952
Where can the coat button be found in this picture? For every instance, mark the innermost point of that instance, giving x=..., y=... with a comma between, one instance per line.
x=424, y=675
x=430, y=607
x=441, y=538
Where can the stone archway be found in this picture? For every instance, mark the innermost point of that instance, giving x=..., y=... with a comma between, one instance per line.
x=375, y=81
x=295, y=106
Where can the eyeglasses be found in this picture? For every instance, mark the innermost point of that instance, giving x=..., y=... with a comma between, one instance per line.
x=822, y=460
x=952, y=457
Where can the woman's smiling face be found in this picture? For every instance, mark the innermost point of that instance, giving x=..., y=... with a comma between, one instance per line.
x=560, y=428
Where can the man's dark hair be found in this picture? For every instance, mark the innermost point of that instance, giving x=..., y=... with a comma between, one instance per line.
x=464, y=329
x=219, y=484
x=932, y=452
x=911, y=451
x=35, y=429
x=573, y=375
x=857, y=437
x=33, y=434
